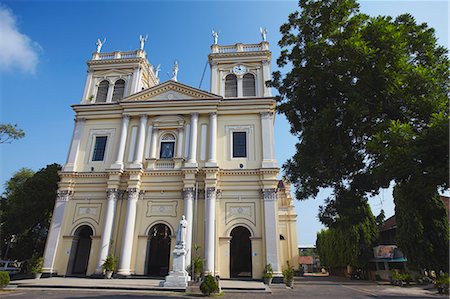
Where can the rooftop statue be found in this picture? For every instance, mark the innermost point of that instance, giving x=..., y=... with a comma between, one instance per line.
x=142, y=41
x=215, y=36
x=99, y=44
x=158, y=68
x=263, y=33
x=174, y=71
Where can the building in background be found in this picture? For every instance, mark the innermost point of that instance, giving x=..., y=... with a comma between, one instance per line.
x=144, y=153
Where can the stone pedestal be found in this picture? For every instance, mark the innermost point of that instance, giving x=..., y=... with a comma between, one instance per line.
x=178, y=277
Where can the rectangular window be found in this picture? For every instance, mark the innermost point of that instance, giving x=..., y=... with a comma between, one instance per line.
x=99, y=148
x=239, y=144
x=167, y=149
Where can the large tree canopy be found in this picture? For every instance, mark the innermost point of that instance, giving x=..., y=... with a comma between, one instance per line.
x=26, y=211
x=367, y=98
x=9, y=132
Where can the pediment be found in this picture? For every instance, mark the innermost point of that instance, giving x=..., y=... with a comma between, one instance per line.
x=171, y=91
x=114, y=72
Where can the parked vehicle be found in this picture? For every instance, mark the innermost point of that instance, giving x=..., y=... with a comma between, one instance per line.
x=12, y=267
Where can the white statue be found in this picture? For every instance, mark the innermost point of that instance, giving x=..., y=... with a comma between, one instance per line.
x=181, y=233
x=99, y=44
x=263, y=33
x=215, y=36
x=142, y=40
x=158, y=68
x=174, y=71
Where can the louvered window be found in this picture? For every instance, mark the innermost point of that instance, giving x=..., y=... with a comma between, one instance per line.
x=230, y=86
x=102, y=92
x=99, y=148
x=119, y=88
x=239, y=144
x=248, y=86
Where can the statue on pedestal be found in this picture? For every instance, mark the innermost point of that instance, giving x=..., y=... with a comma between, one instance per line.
x=215, y=36
x=179, y=277
x=158, y=68
x=174, y=71
x=263, y=33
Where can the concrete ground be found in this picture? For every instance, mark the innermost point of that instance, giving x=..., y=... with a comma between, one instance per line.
x=304, y=287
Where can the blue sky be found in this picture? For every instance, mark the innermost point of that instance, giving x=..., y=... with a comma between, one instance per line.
x=44, y=47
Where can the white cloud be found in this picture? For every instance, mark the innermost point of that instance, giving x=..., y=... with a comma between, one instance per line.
x=17, y=50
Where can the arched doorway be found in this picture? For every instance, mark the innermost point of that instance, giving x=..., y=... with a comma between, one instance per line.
x=81, y=249
x=240, y=253
x=158, y=250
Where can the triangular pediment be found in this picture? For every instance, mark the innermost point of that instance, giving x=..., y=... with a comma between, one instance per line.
x=171, y=91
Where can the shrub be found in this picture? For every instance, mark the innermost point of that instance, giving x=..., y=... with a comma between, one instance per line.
x=268, y=271
x=209, y=285
x=442, y=284
x=288, y=274
x=4, y=279
x=110, y=263
x=37, y=265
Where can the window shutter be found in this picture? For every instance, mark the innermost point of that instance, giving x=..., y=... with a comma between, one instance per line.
x=248, y=86
x=230, y=86
x=119, y=88
x=102, y=92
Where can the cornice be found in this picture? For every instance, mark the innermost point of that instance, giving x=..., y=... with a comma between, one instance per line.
x=162, y=173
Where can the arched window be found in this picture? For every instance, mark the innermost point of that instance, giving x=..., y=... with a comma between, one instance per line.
x=119, y=88
x=167, y=146
x=230, y=86
x=102, y=92
x=248, y=86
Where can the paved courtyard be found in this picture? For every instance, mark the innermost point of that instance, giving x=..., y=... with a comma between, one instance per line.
x=314, y=287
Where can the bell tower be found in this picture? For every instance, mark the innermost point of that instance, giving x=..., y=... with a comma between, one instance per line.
x=240, y=70
x=113, y=76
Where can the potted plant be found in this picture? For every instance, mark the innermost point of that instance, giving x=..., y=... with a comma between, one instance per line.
x=288, y=276
x=268, y=274
x=36, y=267
x=109, y=265
x=196, y=268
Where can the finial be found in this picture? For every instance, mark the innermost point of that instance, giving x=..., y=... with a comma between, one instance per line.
x=99, y=44
x=142, y=40
x=215, y=35
x=158, y=68
x=263, y=33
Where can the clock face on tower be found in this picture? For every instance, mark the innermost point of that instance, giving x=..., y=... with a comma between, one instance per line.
x=239, y=69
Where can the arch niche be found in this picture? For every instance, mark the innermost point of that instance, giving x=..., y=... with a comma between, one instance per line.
x=240, y=253
x=158, y=250
x=80, y=251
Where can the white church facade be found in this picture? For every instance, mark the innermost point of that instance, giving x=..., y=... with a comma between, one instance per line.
x=145, y=153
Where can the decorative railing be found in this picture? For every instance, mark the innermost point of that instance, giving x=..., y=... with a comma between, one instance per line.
x=263, y=46
x=118, y=55
x=164, y=164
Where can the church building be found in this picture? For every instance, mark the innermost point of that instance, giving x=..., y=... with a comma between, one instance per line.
x=145, y=153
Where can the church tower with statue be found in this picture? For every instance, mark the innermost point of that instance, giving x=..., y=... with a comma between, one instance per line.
x=144, y=154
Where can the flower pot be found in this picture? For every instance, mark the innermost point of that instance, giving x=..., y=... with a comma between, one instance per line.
x=268, y=280
x=37, y=275
x=108, y=274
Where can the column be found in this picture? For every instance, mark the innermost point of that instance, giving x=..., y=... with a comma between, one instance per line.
x=54, y=233
x=210, y=221
x=153, y=145
x=193, y=149
x=188, y=196
x=270, y=228
x=87, y=87
x=140, y=142
x=110, y=93
x=212, y=162
x=239, y=86
x=180, y=143
x=74, y=145
x=135, y=83
x=105, y=242
x=266, y=76
x=128, y=232
x=214, y=82
x=268, y=152
x=122, y=143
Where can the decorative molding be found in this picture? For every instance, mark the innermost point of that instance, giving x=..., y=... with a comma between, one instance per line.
x=267, y=115
x=162, y=208
x=188, y=193
x=112, y=193
x=87, y=210
x=133, y=193
x=240, y=210
x=270, y=194
x=211, y=193
x=64, y=195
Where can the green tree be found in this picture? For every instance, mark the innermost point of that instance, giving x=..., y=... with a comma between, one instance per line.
x=27, y=208
x=9, y=132
x=368, y=99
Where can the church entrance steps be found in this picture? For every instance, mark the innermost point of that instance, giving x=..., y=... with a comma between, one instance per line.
x=132, y=284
